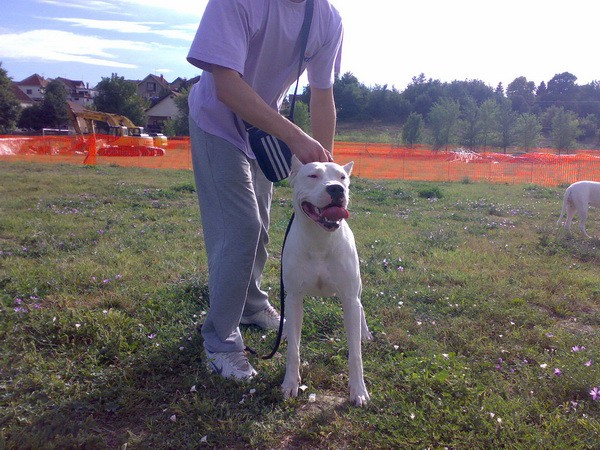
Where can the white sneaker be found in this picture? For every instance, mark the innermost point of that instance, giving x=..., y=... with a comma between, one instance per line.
x=230, y=365
x=267, y=319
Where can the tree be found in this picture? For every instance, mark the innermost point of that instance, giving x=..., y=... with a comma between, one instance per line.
x=387, y=105
x=588, y=126
x=488, y=117
x=541, y=97
x=565, y=129
x=443, y=120
x=351, y=97
x=527, y=131
x=50, y=113
x=588, y=100
x=499, y=91
x=302, y=116
x=472, y=122
x=520, y=92
x=119, y=96
x=181, y=122
x=9, y=104
x=411, y=131
x=54, y=106
x=506, y=124
x=31, y=118
x=461, y=91
x=421, y=94
x=562, y=91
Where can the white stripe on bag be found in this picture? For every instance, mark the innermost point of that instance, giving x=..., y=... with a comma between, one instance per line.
x=283, y=164
x=280, y=166
x=269, y=151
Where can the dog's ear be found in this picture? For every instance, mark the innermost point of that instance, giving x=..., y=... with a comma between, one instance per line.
x=296, y=166
x=348, y=167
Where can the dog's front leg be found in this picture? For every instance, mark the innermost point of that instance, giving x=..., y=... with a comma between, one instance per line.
x=294, y=313
x=354, y=322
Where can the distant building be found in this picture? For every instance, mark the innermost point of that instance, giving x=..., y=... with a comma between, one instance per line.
x=34, y=87
x=182, y=83
x=78, y=91
x=165, y=109
x=178, y=83
x=23, y=98
x=153, y=88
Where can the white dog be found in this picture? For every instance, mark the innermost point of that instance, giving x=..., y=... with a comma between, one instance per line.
x=578, y=197
x=320, y=259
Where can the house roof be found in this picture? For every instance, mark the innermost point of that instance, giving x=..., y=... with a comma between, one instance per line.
x=158, y=79
x=33, y=80
x=21, y=96
x=179, y=83
x=72, y=84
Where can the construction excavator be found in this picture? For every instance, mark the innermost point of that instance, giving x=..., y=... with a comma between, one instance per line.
x=125, y=138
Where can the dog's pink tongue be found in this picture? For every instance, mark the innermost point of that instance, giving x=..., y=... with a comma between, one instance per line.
x=335, y=213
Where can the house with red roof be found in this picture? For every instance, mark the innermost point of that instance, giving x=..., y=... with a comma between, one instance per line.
x=33, y=86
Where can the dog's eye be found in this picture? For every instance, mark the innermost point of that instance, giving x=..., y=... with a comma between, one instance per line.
x=343, y=177
x=313, y=176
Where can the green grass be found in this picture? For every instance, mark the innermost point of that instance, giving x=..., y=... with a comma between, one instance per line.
x=473, y=294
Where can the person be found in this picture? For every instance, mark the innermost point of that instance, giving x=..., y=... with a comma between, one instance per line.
x=249, y=53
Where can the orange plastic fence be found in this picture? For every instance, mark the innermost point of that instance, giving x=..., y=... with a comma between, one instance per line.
x=98, y=149
x=370, y=160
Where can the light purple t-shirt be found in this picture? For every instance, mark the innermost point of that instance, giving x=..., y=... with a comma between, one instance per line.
x=259, y=40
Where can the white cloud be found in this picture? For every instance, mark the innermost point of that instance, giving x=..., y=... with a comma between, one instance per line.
x=191, y=8
x=63, y=46
x=90, y=5
x=182, y=32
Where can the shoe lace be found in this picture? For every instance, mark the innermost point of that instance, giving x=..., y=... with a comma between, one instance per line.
x=271, y=312
x=238, y=360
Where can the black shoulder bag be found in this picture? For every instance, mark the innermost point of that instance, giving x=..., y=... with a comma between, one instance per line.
x=273, y=155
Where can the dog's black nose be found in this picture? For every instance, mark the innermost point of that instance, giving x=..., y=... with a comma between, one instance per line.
x=335, y=190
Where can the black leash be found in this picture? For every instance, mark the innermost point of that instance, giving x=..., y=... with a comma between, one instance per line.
x=281, y=301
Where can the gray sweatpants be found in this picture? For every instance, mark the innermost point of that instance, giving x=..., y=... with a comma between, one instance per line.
x=235, y=198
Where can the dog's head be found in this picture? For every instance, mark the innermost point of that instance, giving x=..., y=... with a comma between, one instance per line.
x=321, y=192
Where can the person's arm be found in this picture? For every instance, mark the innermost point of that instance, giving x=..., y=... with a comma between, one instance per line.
x=323, y=116
x=234, y=92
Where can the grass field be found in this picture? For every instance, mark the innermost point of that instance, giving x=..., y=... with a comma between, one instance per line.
x=485, y=315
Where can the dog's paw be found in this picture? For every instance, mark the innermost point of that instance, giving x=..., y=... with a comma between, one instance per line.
x=360, y=400
x=359, y=395
x=289, y=390
x=366, y=335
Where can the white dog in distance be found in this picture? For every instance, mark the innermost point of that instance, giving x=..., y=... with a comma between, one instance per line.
x=578, y=197
x=320, y=259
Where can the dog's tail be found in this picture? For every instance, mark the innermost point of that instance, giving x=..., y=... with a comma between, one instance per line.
x=566, y=200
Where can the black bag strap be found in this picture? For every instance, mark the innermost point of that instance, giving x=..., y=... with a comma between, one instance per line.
x=303, y=38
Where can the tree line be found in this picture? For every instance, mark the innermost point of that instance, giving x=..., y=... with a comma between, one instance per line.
x=559, y=113
x=472, y=114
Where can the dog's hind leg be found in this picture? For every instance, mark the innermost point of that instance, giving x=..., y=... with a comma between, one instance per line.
x=293, y=324
x=583, y=213
x=353, y=322
x=571, y=209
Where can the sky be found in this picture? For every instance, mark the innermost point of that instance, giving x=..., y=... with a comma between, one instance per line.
x=386, y=42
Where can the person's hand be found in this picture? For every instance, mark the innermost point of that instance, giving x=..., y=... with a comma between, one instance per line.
x=308, y=149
